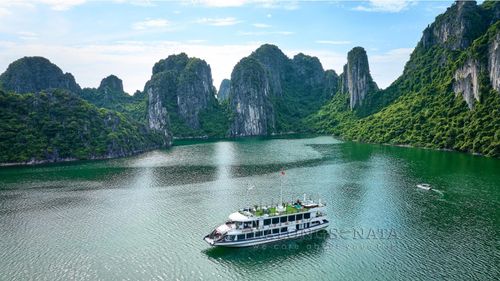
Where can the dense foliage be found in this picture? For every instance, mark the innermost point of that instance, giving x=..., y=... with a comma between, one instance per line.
x=57, y=125
x=421, y=109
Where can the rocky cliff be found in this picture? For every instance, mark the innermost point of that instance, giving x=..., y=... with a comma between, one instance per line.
x=356, y=79
x=34, y=74
x=275, y=63
x=250, y=100
x=179, y=91
x=224, y=88
x=463, y=22
x=494, y=62
x=467, y=81
x=445, y=97
x=467, y=77
x=292, y=88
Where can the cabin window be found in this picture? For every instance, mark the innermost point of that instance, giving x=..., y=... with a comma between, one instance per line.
x=307, y=215
x=258, y=234
x=283, y=219
x=315, y=223
x=230, y=238
x=291, y=218
x=267, y=221
x=255, y=223
x=249, y=235
x=267, y=232
x=247, y=224
x=299, y=217
x=276, y=220
x=241, y=237
x=284, y=229
x=276, y=230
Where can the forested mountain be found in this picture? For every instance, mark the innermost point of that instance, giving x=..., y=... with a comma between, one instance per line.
x=272, y=94
x=447, y=97
x=44, y=119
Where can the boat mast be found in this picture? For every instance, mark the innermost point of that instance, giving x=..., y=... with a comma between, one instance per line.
x=281, y=187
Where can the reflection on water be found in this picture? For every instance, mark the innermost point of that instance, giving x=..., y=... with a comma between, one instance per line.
x=144, y=217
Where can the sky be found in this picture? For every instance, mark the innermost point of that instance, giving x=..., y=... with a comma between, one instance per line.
x=92, y=39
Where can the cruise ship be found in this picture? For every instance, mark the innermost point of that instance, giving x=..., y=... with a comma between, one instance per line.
x=259, y=225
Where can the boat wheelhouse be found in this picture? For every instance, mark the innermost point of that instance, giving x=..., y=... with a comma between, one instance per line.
x=259, y=225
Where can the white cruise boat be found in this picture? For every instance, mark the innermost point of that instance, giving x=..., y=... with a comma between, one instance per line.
x=259, y=225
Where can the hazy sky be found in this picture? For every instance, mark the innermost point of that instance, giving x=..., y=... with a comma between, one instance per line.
x=92, y=39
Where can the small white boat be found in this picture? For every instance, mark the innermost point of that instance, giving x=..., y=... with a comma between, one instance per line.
x=424, y=186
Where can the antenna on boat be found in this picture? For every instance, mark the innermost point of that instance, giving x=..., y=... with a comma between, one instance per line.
x=281, y=187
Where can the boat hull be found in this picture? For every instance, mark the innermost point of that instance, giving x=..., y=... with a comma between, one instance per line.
x=267, y=239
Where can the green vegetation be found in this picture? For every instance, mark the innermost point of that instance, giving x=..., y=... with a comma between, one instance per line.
x=421, y=109
x=57, y=125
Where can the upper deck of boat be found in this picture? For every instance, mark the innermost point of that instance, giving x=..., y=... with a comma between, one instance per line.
x=273, y=211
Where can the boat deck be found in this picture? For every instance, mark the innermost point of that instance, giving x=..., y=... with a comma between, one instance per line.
x=270, y=211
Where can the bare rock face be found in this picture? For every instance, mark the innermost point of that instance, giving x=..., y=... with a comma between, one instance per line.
x=224, y=89
x=452, y=28
x=467, y=76
x=158, y=119
x=467, y=83
x=195, y=91
x=275, y=63
x=494, y=62
x=356, y=78
x=250, y=93
x=34, y=74
x=179, y=86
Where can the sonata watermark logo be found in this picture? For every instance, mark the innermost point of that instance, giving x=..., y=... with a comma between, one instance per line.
x=353, y=238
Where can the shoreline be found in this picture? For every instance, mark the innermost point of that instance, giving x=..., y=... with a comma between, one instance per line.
x=188, y=140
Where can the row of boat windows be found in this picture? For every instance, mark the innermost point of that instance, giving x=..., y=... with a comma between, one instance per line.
x=267, y=232
x=287, y=218
x=277, y=220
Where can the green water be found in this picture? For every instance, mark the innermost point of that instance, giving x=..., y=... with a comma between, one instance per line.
x=144, y=217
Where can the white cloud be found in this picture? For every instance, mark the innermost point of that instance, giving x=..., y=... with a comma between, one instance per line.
x=261, y=25
x=332, y=42
x=132, y=61
x=220, y=3
x=196, y=41
x=268, y=4
x=218, y=21
x=150, y=23
x=26, y=35
x=261, y=33
x=390, y=6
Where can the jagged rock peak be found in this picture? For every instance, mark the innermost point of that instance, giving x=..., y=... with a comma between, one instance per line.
x=174, y=63
x=457, y=28
x=111, y=83
x=356, y=78
x=309, y=69
x=224, y=89
x=179, y=89
x=249, y=97
x=275, y=63
x=34, y=74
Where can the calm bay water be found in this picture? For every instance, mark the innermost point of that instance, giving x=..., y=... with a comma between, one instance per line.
x=144, y=217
